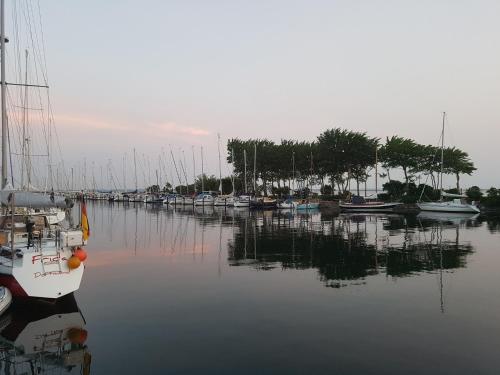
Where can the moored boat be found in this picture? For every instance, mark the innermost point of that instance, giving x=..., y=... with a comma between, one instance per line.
x=359, y=203
x=287, y=204
x=455, y=205
x=264, y=203
x=243, y=201
x=458, y=202
x=307, y=205
x=204, y=199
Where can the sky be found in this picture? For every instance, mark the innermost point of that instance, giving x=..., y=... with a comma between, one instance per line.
x=160, y=74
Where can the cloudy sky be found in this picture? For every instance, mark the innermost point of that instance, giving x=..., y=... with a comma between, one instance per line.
x=149, y=74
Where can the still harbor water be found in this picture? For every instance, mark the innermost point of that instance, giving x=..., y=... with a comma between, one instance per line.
x=232, y=291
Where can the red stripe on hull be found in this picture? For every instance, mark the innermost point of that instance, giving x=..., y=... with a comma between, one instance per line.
x=11, y=283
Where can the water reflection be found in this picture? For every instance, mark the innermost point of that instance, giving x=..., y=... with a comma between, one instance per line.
x=350, y=247
x=344, y=249
x=43, y=338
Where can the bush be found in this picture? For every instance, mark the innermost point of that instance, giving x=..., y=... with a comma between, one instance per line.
x=474, y=193
x=492, y=198
x=327, y=190
x=395, y=189
x=281, y=192
x=410, y=198
x=383, y=197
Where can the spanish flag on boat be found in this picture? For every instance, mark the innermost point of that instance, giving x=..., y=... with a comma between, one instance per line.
x=85, y=221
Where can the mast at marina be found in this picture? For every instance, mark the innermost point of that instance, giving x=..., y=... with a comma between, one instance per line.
x=442, y=160
x=135, y=171
x=255, y=168
x=245, y=161
x=202, y=172
x=220, y=168
x=3, y=85
x=194, y=170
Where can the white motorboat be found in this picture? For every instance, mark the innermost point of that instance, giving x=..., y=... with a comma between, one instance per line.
x=204, y=199
x=224, y=201
x=242, y=201
x=5, y=299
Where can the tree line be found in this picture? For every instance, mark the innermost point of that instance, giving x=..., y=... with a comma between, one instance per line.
x=337, y=157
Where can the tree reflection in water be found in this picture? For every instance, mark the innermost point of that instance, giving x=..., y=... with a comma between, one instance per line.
x=350, y=248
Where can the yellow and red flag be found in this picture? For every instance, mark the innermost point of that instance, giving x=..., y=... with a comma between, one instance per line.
x=85, y=221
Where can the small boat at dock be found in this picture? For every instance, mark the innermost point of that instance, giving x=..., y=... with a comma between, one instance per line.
x=204, y=199
x=361, y=204
x=264, y=203
x=305, y=204
x=243, y=201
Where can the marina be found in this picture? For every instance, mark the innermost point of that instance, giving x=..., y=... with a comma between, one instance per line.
x=233, y=284
x=249, y=188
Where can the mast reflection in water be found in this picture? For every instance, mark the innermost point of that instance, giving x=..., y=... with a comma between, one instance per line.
x=208, y=290
x=350, y=248
x=44, y=338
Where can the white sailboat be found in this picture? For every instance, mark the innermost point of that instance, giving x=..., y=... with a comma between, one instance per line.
x=243, y=201
x=458, y=202
x=222, y=200
x=37, y=259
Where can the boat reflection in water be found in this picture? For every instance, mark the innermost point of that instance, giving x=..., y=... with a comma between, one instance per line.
x=43, y=338
x=350, y=248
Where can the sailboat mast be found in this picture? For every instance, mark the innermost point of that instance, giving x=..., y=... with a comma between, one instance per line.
x=293, y=172
x=255, y=168
x=194, y=170
x=245, y=160
x=135, y=171
x=202, y=171
x=376, y=170
x=442, y=157
x=232, y=175
x=220, y=168
x=3, y=93
x=24, y=162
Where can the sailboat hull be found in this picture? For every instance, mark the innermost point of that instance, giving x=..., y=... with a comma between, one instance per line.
x=368, y=207
x=40, y=275
x=448, y=207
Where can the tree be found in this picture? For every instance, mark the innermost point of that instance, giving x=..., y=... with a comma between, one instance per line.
x=457, y=162
x=401, y=153
x=342, y=152
x=474, y=193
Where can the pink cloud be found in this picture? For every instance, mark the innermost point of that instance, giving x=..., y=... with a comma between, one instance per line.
x=165, y=129
x=87, y=122
x=173, y=128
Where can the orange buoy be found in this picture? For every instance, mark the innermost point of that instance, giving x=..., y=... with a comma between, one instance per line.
x=80, y=254
x=74, y=262
x=77, y=335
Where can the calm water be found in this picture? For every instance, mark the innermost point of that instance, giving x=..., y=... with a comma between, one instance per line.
x=220, y=292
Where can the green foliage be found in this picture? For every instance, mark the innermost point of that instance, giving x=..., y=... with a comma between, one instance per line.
x=153, y=189
x=492, y=198
x=395, y=189
x=474, y=193
x=327, y=190
x=401, y=153
x=280, y=191
x=337, y=156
